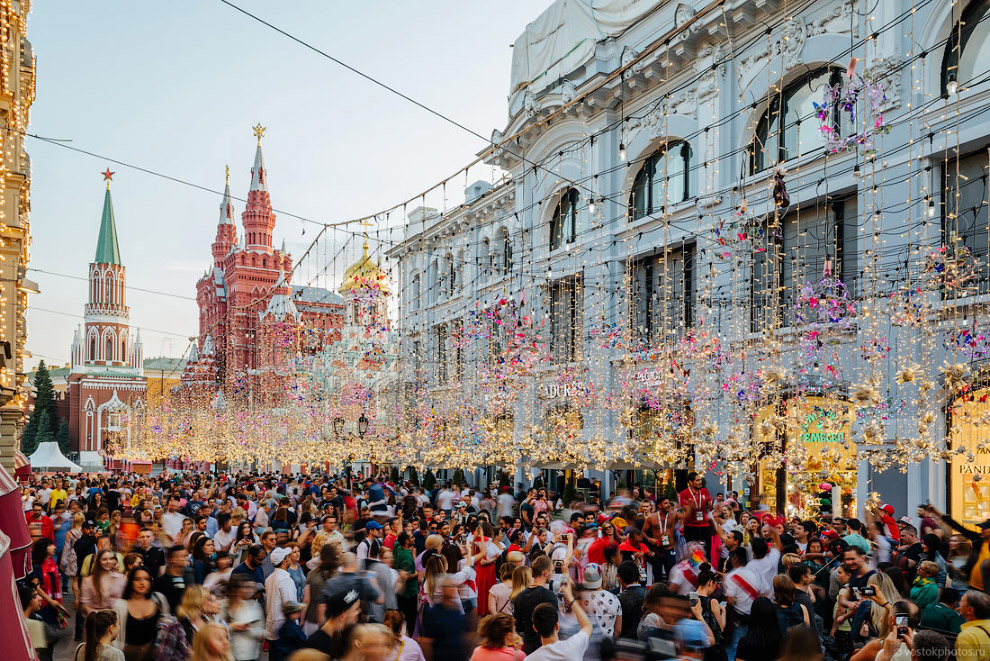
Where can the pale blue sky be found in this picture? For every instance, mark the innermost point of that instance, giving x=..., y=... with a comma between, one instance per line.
x=175, y=87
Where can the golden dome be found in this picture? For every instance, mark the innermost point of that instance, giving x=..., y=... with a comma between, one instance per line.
x=365, y=274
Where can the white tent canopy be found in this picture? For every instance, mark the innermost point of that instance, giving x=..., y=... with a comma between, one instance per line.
x=49, y=457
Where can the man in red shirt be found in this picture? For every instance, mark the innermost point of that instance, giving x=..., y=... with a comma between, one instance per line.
x=38, y=524
x=697, y=504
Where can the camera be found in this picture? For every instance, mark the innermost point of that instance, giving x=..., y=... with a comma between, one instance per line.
x=869, y=591
x=694, y=598
x=558, y=566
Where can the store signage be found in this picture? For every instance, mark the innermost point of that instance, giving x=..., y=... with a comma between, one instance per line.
x=555, y=390
x=813, y=421
x=649, y=378
x=976, y=468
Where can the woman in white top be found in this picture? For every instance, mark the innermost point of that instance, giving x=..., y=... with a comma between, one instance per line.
x=245, y=619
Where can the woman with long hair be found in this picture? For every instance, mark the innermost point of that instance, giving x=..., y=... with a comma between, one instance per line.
x=762, y=639
x=711, y=611
x=789, y=613
x=522, y=578
x=101, y=631
x=802, y=644
x=957, y=562
x=104, y=585
x=280, y=519
x=211, y=643
x=404, y=648
x=203, y=553
x=294, y=569
x=116, y=518
x=315, y=580
x=244, y=617
x=70, y=563
x=138, y=612
x=609, y=531
x=499, y=641
x=486, y=552
x=45, y=570
x=197, y=609
x=884, y=593
x=244, y=539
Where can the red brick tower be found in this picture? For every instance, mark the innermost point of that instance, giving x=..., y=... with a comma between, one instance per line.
x=107, y=375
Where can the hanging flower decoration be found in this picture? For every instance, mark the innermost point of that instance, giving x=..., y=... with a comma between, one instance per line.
x=825, y=305
x=951, y=268
x=855, y=106
x=970, y=343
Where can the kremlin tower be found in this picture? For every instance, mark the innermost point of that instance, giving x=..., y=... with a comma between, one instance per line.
x=249, y=310
x=107, y=376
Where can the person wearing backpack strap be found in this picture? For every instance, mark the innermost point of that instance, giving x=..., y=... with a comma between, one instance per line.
x=973, y=641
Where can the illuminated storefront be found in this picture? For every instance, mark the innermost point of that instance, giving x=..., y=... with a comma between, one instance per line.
x=969, y=473
x=814, y=435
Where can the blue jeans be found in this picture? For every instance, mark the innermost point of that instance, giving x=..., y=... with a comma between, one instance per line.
x=738, y=631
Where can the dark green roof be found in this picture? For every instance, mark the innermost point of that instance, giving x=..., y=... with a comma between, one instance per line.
x=107, y=250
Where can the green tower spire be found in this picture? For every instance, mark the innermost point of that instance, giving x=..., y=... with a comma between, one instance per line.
x=107, y=250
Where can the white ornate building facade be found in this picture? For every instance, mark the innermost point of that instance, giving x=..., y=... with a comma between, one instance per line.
x=669, y=180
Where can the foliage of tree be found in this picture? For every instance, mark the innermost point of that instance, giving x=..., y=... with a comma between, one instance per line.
x=429, y=480
x=62, y=437
x=41, y=425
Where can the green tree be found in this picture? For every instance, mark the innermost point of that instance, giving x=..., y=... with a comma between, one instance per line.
x=44, y=408
x=62, y=437
x=413, y=475
x=393, y=474
x=429, y=480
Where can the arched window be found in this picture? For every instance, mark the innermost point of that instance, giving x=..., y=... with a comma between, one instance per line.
x=563, y=225
x=451, y=275
x=506, y=252
x=123, y=351
x=662, y=180
x=967, y=52
x=108, y=299
x=92, y=348
x=800, y=131
x=109, y=355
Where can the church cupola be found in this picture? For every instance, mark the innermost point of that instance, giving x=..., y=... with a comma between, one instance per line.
x=258, y=219
x=226, y=229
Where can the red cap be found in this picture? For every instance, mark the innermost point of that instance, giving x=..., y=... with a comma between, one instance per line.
x=889, y=509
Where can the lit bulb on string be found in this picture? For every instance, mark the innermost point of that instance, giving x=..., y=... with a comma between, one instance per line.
x=931, y=208
x=952, y=86
x=622, y=152
x=592, y=206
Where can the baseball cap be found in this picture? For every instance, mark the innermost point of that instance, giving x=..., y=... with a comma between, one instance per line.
x=889, y=509
x=339, y=602
x=373, y=525
x=278, y=555
x=88, y=524
x=983, y=526
x=592, y=576
x=691, y=634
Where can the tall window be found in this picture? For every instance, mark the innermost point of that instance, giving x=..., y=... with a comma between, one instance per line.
x=416, y=292
x=506, y=253
x=123, y=350
x=800, y=131
x=441, y=353
x=109, y=355
x=566, y=320
x=458, y=334
x=796, y=252
x=563, y=225
x=451, y=275
x=967, y=53
x=92, y=348
x=663, y=295
x=663, y=180
x=965, y=217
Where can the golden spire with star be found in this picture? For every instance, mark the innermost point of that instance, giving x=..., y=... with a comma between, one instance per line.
x=259, y=131
x=108, y=177
x=227, y=170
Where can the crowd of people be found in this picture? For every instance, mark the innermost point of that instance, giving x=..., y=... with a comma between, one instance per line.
x=313, y=567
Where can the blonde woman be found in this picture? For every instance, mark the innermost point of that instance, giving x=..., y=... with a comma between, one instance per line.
x=70, y=563
x=885, y=592
x=198, y=608
x=211, y=643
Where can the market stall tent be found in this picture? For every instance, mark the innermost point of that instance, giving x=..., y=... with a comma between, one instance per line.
x=48, y=457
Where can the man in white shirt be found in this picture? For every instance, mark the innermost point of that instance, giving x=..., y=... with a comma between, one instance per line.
x=766, y=557
x=172, y=519
x=545, y=623
x=279, y=590
x=506, y=502
x=742, y=586
x=445, y=499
